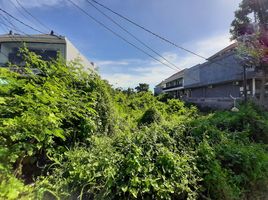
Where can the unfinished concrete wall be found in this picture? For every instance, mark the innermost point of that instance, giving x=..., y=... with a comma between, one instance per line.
x=222, y=69
x=72, y=53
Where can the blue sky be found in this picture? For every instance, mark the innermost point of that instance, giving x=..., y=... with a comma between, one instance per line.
x=201, y=26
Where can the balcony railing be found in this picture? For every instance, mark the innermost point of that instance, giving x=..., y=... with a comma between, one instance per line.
x=171, y=87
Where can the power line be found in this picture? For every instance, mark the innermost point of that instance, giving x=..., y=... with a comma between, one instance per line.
x=149, y=31
x=132, y=35
x=193, y=78
x=157, y=35
x=14, y=27
x=11, y=26
x=118, y=35
x=21, y=21
x=19, y=10
x=4, y=18
x=30, y=14
x=3, y=28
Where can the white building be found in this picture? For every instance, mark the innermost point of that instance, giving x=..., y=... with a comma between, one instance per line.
x=46, y=45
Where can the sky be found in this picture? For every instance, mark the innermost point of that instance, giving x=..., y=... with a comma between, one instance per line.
x=200, y=26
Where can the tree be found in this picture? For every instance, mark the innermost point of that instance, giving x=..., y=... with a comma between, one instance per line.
x=252, y=37
x=53, y=110
x=129, y=91
x=143, y=87
x=243, y=24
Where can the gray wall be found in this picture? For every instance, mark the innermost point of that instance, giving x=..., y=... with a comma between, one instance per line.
x=220, y=90
x=225, y=68
x=192, y=76
x=158, y=90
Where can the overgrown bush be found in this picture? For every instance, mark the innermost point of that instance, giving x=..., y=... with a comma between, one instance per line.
x=144, y=165
x=152, y=115
x=66, y=134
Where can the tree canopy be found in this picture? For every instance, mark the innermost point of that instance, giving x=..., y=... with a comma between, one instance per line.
x=142, y=87
x=250, y=14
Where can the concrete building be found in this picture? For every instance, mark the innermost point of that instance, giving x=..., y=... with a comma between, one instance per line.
x=214, y=83
x=46, y=45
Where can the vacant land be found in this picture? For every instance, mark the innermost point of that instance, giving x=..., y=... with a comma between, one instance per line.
x=67, y=134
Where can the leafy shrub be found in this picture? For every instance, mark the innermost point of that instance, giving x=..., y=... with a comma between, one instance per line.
x=73, y=136
x=164, y=97
x=152, y=115
x=248, y=118
x=146, y=165
x=41, y=114
x=217, y=181
x=12, y=188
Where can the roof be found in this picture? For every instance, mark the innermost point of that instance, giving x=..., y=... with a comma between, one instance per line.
x=225, y=50
x=175, y=76
x=181, y=73
x=40, y=38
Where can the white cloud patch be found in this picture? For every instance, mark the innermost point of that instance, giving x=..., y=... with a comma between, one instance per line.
x=110, y=62
x=128, y=73
x=39, y=3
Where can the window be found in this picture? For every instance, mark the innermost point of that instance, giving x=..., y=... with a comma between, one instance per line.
x=15, y=57
x=45, y=54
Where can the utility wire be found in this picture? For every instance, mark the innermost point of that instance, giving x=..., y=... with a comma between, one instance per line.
x=157, y=35
x=220, y=63
x=6, y=19
x=19, y=10
x=30, y=14
x=21, y=21
x=193, y=78
x=17, y=29
x=8, y=26
x=11, y=26
x=3, y=27
x=14, y=27
x=149, y=31
x=132, y=35
x=118, y=35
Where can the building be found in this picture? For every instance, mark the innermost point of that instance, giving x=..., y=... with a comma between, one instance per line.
x=214, y=83
x=48, y=46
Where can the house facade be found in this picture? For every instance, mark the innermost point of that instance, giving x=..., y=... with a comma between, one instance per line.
x=215, y=83
x=48, y=46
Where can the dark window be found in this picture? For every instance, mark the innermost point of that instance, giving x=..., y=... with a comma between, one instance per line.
x=47, y=55
x=15, y=57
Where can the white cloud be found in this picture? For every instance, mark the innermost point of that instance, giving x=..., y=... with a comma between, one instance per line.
x=152, y=75
x=110, y=62
x=151, y=72
x=39, y=3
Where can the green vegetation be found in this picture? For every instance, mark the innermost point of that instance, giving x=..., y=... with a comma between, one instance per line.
x=66, y=134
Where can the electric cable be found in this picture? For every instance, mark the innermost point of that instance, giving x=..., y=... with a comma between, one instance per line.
x=18, y=20
x=149, y=31
x=132, y=35
x=35, y=18
x=118, y=35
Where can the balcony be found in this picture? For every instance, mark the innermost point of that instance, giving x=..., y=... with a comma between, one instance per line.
x=174, y=86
